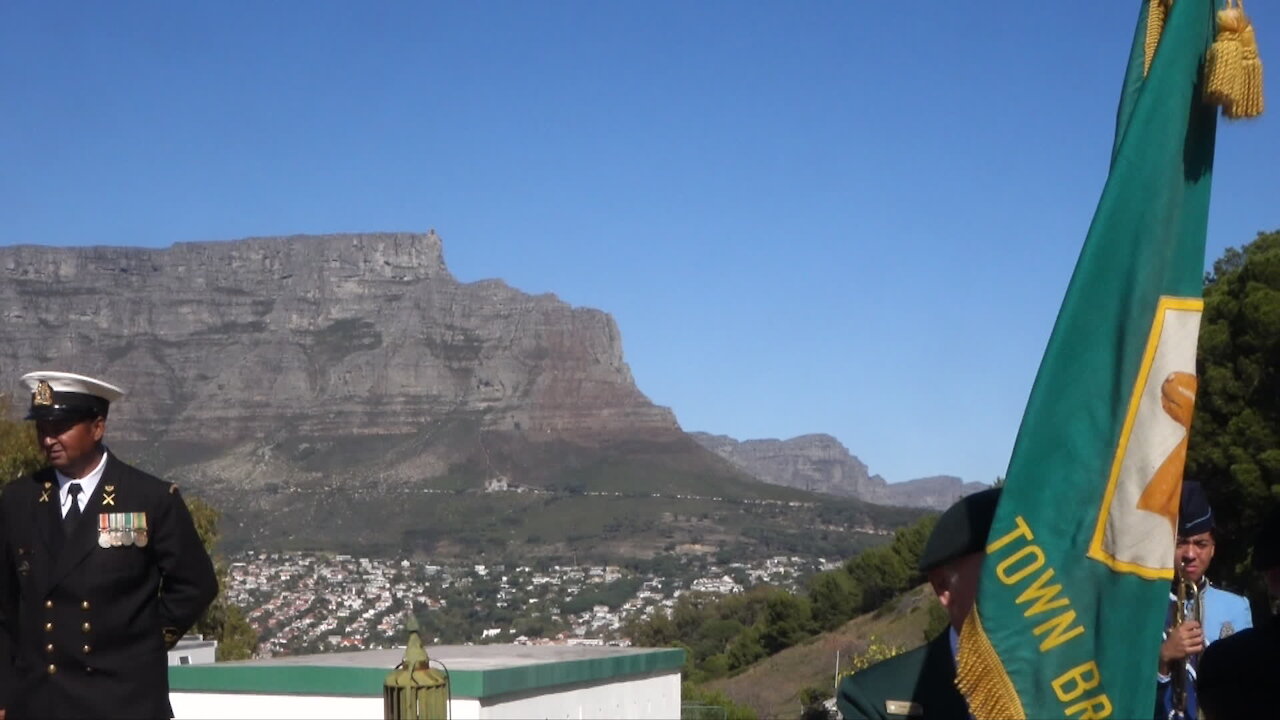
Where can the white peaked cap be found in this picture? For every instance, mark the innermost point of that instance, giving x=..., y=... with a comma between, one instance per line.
x=73, y=383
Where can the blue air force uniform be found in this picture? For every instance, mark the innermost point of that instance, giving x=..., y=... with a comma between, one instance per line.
x=1224, y=613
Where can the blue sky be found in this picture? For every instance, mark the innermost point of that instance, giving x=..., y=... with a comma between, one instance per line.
x=843, y=217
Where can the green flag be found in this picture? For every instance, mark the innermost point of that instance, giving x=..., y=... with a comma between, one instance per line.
x=1076, y=579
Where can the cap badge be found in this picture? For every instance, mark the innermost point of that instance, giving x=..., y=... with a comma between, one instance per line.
x=43, y=395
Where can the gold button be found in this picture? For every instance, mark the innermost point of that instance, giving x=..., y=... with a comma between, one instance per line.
x=85, y=627
x=84, y=605
x=53, y=669
x=48, y=627
x=48, y=604
x=48, y=648
x=86, y=649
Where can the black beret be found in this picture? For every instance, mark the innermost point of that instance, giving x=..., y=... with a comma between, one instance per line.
x=1194, y=514
x=961, y=530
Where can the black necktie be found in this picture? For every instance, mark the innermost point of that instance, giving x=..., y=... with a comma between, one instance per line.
x=73, y=514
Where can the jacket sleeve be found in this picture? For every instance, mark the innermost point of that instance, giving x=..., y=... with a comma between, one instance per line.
x=187, y=579
x=854, y=705
x=8, y=613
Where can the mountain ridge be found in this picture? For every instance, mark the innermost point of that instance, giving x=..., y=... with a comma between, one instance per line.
x=820, y=463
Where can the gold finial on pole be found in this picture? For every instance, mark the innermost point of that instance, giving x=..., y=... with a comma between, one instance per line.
x=413, y=690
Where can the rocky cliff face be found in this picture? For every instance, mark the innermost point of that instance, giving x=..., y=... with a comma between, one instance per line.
x=820, y=463
x=332, y=335
x=324, y=361
x=345, y=391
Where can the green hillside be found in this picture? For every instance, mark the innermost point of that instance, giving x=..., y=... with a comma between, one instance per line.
x=773, y=686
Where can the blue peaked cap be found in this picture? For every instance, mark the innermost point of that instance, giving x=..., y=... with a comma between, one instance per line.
x=1194, y=514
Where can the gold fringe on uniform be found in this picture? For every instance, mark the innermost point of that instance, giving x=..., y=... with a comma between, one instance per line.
x=1233, y=70
x=981, y=676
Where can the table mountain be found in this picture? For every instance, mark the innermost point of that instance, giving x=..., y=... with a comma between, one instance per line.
x=342, y=390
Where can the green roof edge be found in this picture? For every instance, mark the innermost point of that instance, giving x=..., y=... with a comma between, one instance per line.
x=367, y=682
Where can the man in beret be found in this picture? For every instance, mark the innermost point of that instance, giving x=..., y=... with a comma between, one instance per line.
x=1238, y=674
x=1224, y=612
x=921, y=683
x=101, y=569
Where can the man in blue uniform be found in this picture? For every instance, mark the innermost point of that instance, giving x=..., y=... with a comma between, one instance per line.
x=101, y=569
x=1238, y=674
x=922, y=683
x=1224, y=612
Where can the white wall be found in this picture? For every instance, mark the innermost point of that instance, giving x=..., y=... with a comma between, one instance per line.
x=645, y=697
x=219, y=706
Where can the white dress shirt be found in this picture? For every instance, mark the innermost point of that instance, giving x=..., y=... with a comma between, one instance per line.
x=87, y=484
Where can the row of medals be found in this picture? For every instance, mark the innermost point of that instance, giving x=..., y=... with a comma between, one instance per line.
x=120, y=529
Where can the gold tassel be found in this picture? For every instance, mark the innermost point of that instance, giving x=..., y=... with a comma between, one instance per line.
x=1233, y=70
x=981, y=677
x=1157, y=11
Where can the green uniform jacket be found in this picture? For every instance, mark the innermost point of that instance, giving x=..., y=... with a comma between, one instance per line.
x=918, y=684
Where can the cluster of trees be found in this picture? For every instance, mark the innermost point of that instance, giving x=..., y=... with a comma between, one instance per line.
x=1235, y=437
x=20, y=455
x=723, y=634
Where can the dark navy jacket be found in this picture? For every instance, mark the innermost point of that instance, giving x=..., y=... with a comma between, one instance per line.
x=87, y=628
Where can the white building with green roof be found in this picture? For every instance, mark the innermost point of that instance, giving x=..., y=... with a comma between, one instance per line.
x=486, y=681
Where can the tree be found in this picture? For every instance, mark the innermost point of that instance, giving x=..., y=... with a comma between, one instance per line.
x=19, y=452
x=746, y=649
x=223, y=620
x=787, y=621
x=882, y=572
x=834, y=598
x=1235, y=439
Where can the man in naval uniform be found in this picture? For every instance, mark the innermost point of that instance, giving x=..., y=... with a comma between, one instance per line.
x=921, y=683
x=101, y=569
x=1238, y=674
x=1224, y=612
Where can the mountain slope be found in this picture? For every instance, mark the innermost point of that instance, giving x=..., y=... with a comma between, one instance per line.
x=772, y=686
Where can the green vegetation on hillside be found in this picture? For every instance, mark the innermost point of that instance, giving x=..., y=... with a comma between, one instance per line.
x=223, y=620
x=1235, y=437
x=19, y=453
x=725, y=634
